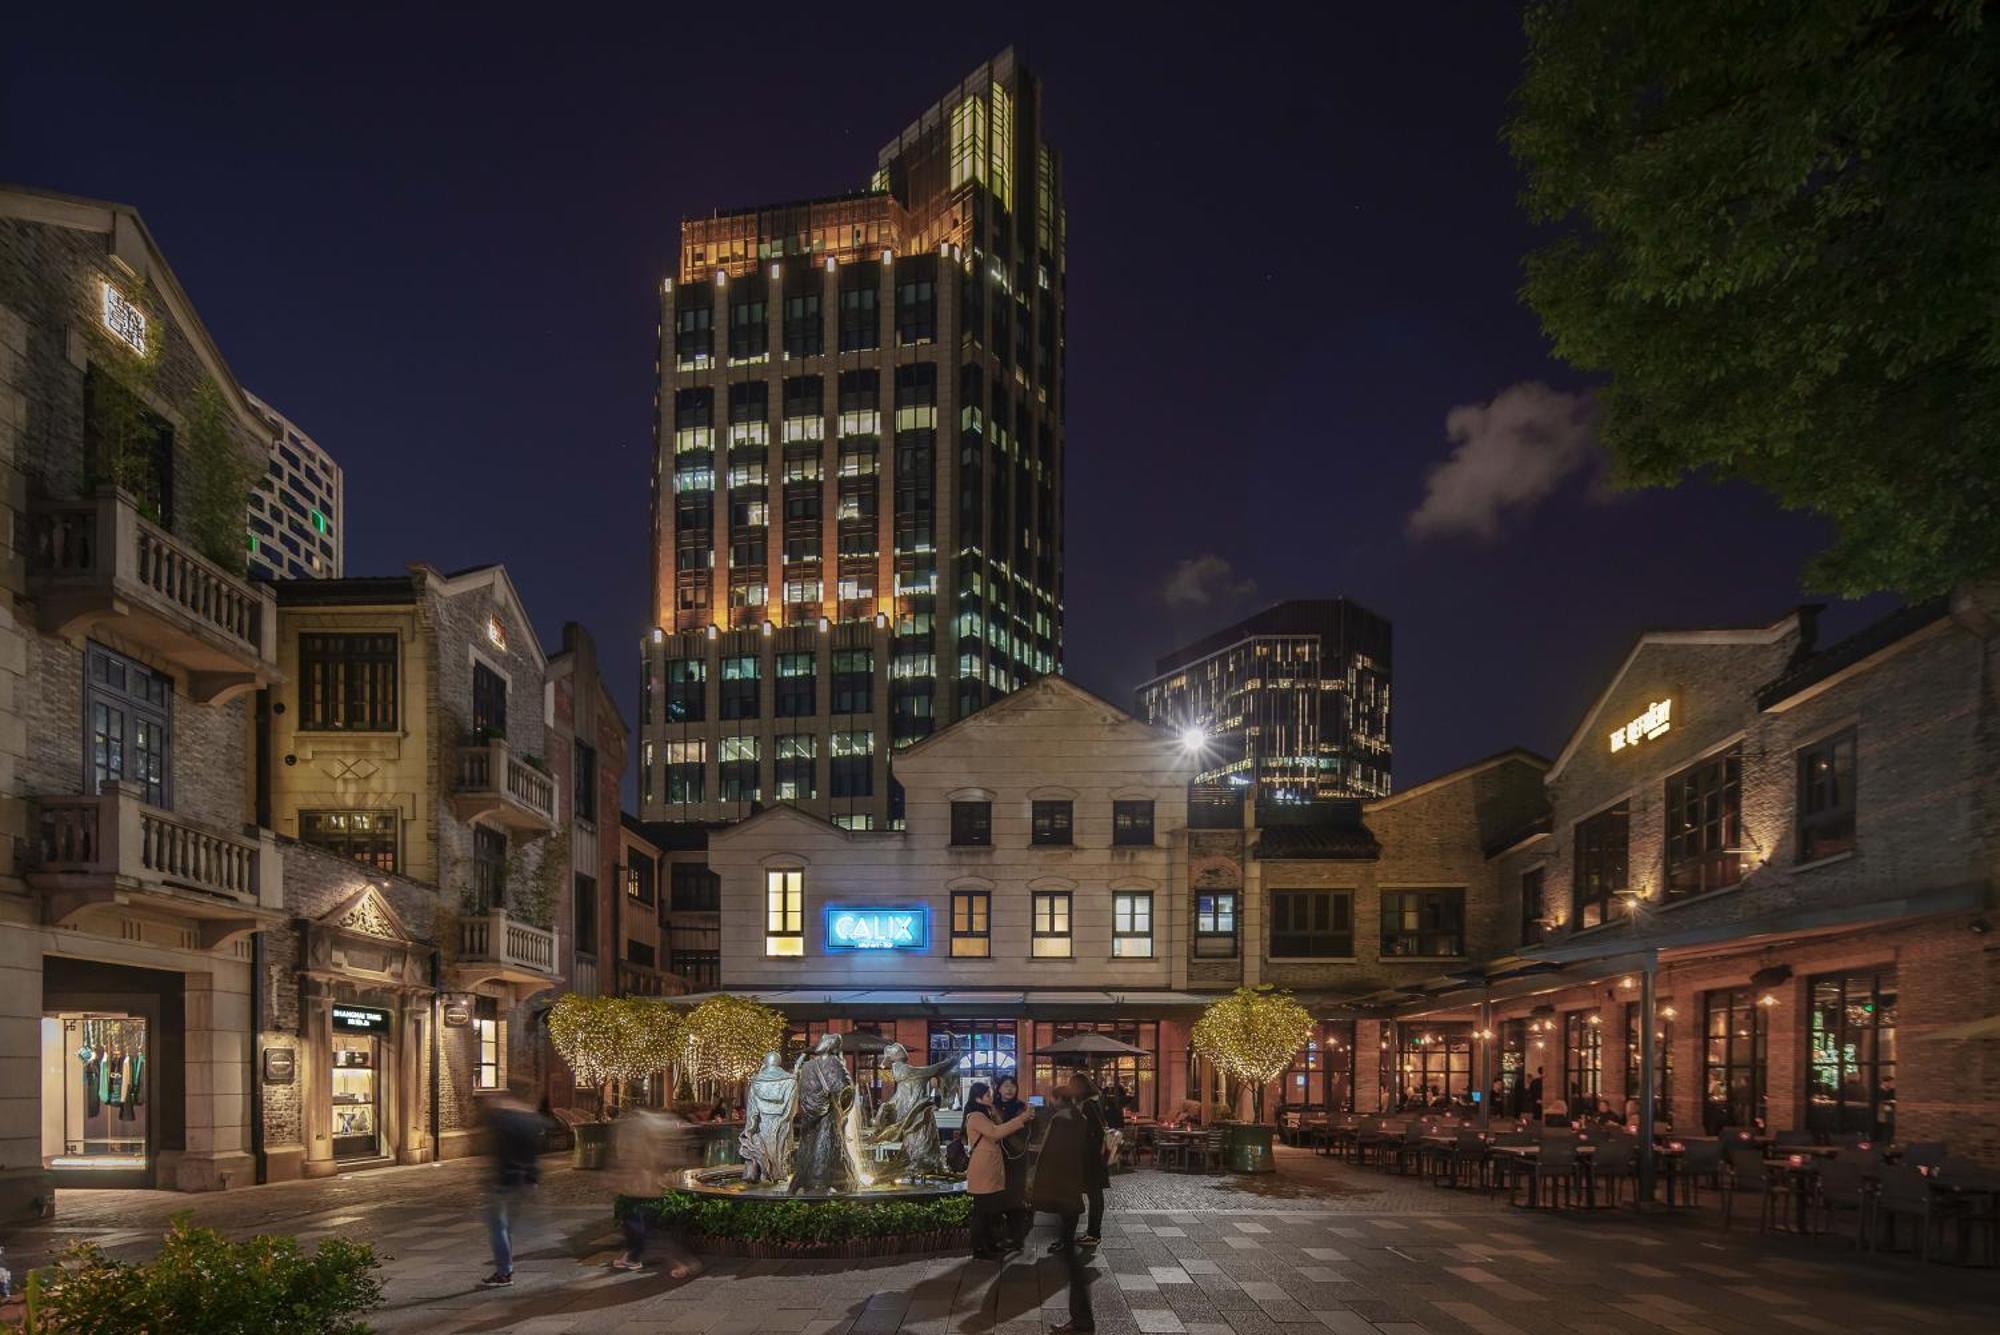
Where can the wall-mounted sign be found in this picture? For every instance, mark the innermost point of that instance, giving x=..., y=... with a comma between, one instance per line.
x=359, y=1019
x=496, y=632
x=1655, y=722
x=877, y=929
x=124, y=321
x=457, y=1012
x=280, y=1066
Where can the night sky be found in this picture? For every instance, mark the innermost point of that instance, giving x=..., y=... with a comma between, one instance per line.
x=434, y=239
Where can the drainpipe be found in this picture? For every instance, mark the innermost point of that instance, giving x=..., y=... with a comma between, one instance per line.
x=1648, y=1063
x=437, y=1021
x=260, y=1171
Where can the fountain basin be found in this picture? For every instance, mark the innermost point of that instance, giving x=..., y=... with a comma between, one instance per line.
x=728, y=1181
x=714, y=1212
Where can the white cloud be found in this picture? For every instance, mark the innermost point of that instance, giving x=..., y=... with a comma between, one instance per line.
x=1203, y=581
x=1508, y=454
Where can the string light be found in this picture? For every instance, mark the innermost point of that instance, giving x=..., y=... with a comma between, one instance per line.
x=728, y=1036
x=1253, y=1033
x=605, y=1039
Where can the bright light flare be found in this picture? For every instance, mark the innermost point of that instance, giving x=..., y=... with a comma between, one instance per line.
x=1194, y=737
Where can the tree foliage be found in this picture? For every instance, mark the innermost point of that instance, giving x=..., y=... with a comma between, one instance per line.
x=727, y=1037
x=1778, y=235
x=607, y=1039
x=1253, y=1034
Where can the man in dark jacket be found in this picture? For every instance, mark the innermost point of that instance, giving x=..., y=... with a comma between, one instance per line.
x=1097, y=1168
x=517, y=1147
x=1058, y=1187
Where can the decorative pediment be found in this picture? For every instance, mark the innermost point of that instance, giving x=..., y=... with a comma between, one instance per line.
x=367, y=912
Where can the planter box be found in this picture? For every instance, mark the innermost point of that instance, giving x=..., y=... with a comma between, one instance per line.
x=1246, y=1147
x=593, y=1144
x=905, y=1244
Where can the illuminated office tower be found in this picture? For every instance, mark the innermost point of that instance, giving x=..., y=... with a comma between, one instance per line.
x=1293, y=702
x=857, y=498
x=298, y=508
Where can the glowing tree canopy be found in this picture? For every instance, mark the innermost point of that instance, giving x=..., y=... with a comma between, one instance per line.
x=605, y=1039
x=1253, y=1034
x=727, y=1037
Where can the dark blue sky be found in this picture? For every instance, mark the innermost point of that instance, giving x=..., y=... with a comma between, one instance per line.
x=433, y=236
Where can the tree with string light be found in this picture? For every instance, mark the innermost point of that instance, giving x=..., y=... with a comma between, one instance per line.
x=727, y=1037
x=1253, y=1034
x=606, y=1041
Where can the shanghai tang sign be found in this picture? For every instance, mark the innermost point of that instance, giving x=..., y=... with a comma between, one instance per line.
x=877, y=929
x=1655, y=722
x=124, y=321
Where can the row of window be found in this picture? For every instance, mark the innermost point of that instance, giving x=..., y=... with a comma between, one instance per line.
x=1052, y=824
x=1704, y=840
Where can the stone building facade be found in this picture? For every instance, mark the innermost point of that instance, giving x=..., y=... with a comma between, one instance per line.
x=132, y=882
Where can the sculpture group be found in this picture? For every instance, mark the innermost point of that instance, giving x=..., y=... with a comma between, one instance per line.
x=811, y=1130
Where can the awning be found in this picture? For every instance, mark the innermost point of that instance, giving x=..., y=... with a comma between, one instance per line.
x=961, y=1002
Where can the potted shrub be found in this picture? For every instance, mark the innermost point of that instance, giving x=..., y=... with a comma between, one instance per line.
x=1252, y=1034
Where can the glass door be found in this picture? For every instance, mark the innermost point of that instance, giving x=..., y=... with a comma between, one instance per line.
x=355, y=1130
x=96, y=1088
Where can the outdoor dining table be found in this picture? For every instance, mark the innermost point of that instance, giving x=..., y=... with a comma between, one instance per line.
x=1164, y=1136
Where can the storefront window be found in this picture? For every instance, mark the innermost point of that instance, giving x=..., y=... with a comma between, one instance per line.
x=1321, y=1077
x=354, y=1094
x=1583, y=1061
x=1434, y=1064
x=100, y=1122
x=1732, y=1063
x=1851, y=1087
x=1137, y=1075
x=1663, y=1059
x=986, y=1050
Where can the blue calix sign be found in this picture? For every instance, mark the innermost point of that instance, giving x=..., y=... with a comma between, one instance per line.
x=877, y=929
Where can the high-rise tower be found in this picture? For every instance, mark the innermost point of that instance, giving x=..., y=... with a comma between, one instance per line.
x=857, y=498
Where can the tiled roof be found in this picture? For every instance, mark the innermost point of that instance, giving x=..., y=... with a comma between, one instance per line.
x=1321, y=841
x=1815, y=668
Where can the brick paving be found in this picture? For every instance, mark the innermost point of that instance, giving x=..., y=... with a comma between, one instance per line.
x=1319, y=1247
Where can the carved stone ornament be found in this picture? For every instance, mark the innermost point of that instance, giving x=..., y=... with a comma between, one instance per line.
x=365, y=916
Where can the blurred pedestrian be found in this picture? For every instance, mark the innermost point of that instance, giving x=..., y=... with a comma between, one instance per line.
x=643, y=1152
x=1097, y=1165
x=517, y=1131
x=1058, y=1188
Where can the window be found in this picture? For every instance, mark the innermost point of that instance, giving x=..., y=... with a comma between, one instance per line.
x=853, y=681
x=686, y=678
x=347, y=683
x=130, y=713
x=792, y=769
x=1732, y=1060
x=1601, y=851
x=1433, y=1060
x=1583, y=1059
x=686, y=762
x=489, y=868
x=1534, y=907
x=1136, y=1075
x=784, y=913
x=736, y=770
x=1132, y=824
x=985, y=1050
x=586, y=782
x=971, y=924
x=1215, y=925
x=1051, y=823
x=1312, y=924
x=1132, y=925
x=693, y=888
x=739, y=687
x=795, y=685
x=972, y=824
x=1423, y=923
x=486, y=1038
x=640, y=953
x=1051, y=922
x=1663, y=1060
x=586, y=915
x=851, y=771
x=1321, y=1076
x=489, y=704
x=1826, y=797
x=804, y=333
x=860, y=319
x=1851, y=1083
x=641, y=877
x=701, y=967
x=369, y=837
x=1704, y=826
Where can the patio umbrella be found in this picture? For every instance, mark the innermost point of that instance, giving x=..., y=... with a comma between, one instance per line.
x=1091, y=1045
x=862, y=1041
x=1986, y=1028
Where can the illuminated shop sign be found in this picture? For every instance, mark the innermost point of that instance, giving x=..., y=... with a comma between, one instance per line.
x=877, y=929
x=360, y=1020
x=126, y=322
x=1655, y=722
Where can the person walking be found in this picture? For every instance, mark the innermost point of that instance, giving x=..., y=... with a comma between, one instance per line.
x=1007, y=1106
x=986, y=1172
x=1057, y=1188
x=1097, y=1167
x=517, y=1146
x=642, y=1145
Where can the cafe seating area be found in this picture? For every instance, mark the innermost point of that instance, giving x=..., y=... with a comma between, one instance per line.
x=1910, y=1198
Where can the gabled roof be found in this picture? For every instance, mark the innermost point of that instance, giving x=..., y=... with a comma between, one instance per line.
x=1792, y=622
x=492, y=576
x=1015, y=702
x=1886, y=633
x=1512, y=754
x=785, y=811
x=1343, y=837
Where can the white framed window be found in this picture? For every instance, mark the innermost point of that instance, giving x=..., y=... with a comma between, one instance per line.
x=785, y=912
x=1052, y=939
x=486, y=1063
x=1132, y=924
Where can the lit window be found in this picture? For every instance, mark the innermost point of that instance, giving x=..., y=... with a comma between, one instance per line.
x=1215, y=925
x=971, y=926
x=487, y=1073
x=1051, y=920
x=1132, y=924
x=784, y=913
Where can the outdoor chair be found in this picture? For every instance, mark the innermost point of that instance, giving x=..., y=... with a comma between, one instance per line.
x=1793, y=1140
x=1701, y=1163
x=1841, y=1185
x=1409, y=1152
x=1904, y=1193
x=1924, y=1154
x=1170, y=1155
x=1206, y=1153
x=1554, y=1166
x=1370, y=1137
x=1467, y=1157
x=1749, y=1172
x=1616, y=1162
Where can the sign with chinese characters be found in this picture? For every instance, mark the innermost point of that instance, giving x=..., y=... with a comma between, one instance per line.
x=359, y=1020
x=877, y=929
x=124, y=321
x=496, y=632
x=1655, y=722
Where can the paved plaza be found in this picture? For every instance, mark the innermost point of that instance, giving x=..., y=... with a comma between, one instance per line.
x=1319, y=1246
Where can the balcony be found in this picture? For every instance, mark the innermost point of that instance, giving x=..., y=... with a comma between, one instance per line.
x=643, y=980
x=494, y=782
x=495, y=948
x=97, y=563
x=113, y=849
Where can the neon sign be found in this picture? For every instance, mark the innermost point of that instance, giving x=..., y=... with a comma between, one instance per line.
x=877, y=929
x=1655, y=722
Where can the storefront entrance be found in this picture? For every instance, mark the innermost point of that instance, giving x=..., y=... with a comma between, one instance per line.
x=95, y=1090
x=356, y=1088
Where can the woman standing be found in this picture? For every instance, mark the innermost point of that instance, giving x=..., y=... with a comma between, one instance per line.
x=1007, y=1106
x=986, y=1172
x=1097, y=1168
